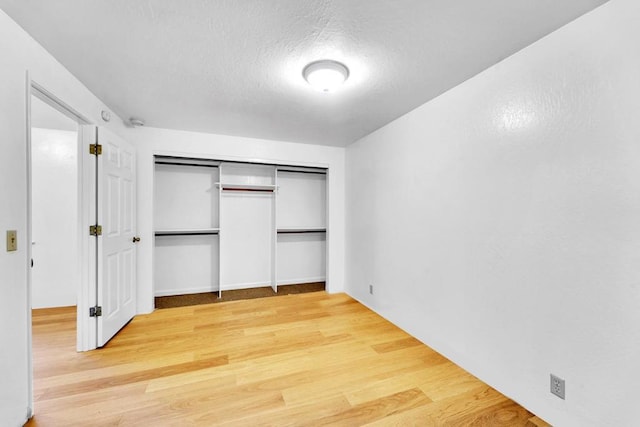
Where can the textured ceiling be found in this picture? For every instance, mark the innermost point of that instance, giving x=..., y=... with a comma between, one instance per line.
x=234, y=67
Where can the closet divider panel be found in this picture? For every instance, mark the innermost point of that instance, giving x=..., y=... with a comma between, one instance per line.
x=274, y=234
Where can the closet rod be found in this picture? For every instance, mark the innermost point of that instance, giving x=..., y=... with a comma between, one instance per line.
x=300, y=231
x=195, y=233
x=257, y=190
x=302, y=171
x=178, y=158
x=185, y=164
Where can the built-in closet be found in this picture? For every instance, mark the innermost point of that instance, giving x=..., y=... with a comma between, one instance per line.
x=222, y=225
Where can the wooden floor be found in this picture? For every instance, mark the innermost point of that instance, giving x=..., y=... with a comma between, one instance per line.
x=308, y=359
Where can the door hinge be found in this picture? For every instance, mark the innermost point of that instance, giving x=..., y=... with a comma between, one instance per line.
x=95, y=230
x=95, y=149
x=95, y=311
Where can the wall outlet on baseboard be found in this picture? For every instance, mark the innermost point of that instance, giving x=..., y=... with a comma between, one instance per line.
x=371, y=289
x=557, y=386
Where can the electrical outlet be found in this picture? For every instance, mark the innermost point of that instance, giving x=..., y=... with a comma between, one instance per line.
x=371, y=289
x=557, y=386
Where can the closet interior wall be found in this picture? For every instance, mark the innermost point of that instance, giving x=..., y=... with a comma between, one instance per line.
x=223, y=225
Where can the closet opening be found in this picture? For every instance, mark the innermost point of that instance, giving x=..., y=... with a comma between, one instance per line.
x=227, y=230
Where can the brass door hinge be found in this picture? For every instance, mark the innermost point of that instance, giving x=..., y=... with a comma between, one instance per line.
x=95, y=230
x=95, y=149
x=95, y=311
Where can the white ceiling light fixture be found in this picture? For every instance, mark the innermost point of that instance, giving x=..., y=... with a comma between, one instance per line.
x=325, y=75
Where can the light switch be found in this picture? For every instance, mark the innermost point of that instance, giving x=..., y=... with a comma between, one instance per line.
x=12, y=240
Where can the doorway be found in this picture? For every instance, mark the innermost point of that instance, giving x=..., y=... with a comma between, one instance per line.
x=54, y=213
x=57, y=173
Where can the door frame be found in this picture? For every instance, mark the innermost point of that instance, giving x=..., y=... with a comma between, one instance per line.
x=86, y=268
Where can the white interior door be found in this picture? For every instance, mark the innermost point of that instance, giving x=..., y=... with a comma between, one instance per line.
x=116, y=246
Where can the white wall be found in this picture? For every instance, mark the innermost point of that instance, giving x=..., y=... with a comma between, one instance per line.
x=499, y=223
x=152, y=141
x=54, y=159
x=19, y=53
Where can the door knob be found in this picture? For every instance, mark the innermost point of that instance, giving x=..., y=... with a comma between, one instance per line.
x=135, y=239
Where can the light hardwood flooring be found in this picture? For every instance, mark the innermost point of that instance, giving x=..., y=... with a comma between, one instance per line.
x=308, y=359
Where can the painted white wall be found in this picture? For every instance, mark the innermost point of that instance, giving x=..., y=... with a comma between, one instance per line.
x=499, y=222
x=152, y=141
x=18, y=56
x=54, y=157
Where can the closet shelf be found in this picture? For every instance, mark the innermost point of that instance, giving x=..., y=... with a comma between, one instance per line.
x=246, y=187
x=187, y=232
x=292, y=230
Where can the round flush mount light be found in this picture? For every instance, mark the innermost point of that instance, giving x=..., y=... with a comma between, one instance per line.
x=325, y=75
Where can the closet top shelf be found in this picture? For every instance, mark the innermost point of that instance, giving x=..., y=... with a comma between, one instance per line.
x=187, y=232
x=246, y=187
x=292, y=230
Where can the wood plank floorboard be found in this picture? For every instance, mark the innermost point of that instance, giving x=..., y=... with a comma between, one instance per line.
x=298, y=360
